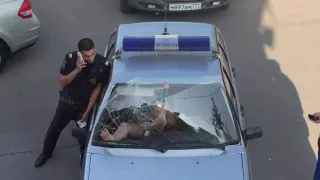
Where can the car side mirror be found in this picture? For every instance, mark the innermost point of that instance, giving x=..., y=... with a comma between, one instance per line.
x=233, y=72
x=81, y=134
x=253, y=133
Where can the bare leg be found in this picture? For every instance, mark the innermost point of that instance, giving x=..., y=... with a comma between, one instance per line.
x=106, y=136
x=122, y=132
x=130, y=129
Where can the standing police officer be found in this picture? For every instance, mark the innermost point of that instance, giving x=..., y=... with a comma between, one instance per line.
x=82, y=81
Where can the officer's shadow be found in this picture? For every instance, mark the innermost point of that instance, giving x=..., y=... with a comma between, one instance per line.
x=269, y=97
x=284, y=152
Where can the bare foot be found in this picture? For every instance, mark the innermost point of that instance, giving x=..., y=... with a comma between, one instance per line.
x=106, y=136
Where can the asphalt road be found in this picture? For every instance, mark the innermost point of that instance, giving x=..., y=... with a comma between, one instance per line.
x=273, y=45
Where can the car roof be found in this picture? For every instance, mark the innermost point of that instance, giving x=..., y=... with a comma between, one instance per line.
x=207, y=70
x=203, y=65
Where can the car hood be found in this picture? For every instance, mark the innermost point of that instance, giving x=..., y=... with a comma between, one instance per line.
x=219, y=167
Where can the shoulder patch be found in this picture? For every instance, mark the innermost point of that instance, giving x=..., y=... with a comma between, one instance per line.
x=70, y=55
x=107, y=63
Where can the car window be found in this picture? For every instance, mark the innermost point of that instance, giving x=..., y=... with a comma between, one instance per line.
x=220, y=39
x=111, y=50
x=194, y=113
x=224, y=59
x=229, y=89
x=111, y=45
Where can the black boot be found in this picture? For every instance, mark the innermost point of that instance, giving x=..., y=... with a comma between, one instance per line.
x=41, y=160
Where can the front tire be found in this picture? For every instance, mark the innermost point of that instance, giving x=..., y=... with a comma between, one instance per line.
x=125, y=7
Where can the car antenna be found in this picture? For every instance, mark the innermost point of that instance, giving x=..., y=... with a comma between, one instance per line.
x=165, y=32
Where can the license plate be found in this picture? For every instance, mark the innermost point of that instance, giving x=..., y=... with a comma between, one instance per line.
x=184, y=7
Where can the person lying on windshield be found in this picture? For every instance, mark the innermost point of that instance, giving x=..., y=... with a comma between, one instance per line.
x=155, y=119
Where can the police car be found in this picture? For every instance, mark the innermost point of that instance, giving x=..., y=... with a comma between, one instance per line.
x=184, y=71
x=127, y=6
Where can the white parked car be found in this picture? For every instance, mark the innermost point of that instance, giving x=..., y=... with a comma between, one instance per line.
x=19, y=27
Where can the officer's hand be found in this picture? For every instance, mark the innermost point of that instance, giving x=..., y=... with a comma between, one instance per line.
x=84, y=118
x=80, y=64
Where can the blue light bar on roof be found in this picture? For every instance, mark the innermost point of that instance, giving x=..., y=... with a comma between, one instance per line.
x=166, y=43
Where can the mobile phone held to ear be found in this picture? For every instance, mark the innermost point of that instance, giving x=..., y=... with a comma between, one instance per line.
x=313, y=117
x=80, y=55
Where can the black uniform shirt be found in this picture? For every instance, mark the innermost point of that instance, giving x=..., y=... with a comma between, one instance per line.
x=84, y=83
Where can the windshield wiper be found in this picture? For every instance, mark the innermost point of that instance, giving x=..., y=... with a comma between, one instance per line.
x=196, y=145
x=134, y=143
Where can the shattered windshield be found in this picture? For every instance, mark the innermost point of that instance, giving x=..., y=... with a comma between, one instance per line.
x=165, y=112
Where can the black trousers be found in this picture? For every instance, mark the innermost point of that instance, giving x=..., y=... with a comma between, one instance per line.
x=316, y=175
x=65, y=113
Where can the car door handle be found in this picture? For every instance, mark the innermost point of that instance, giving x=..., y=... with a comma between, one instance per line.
x=233, y=72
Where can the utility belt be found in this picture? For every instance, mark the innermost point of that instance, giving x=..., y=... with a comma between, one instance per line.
x=64, y=97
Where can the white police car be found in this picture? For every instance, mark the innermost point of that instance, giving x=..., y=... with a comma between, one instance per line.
x=171, y=110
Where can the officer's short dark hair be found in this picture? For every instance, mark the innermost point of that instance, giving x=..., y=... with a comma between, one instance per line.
x=85, y=44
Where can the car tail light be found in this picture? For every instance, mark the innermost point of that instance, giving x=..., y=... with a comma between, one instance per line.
x=25, y=10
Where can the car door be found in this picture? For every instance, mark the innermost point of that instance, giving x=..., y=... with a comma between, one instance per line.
x=109, y=52
x=228, y=73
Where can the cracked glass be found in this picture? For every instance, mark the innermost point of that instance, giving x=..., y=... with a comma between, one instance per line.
x=166, y=112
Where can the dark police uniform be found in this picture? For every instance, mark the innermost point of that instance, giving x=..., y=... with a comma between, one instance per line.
x=75, y=97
